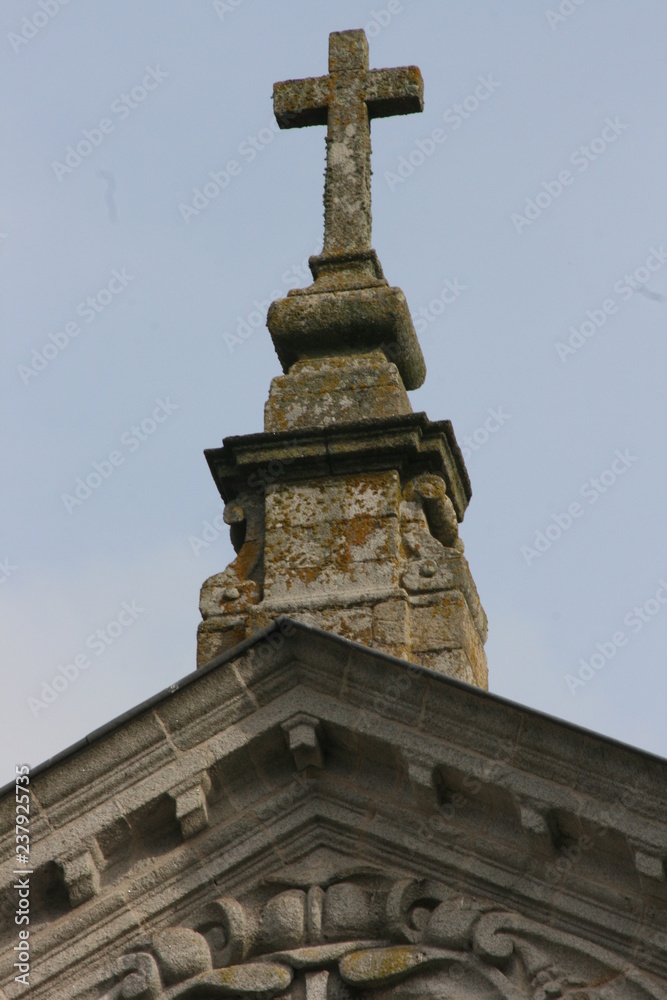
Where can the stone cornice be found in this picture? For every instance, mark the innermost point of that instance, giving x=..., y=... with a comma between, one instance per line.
x=410, y=443
x=280, y=748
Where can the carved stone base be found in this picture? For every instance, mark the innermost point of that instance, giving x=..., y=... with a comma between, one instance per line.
x=323, y=392
x=358, y=555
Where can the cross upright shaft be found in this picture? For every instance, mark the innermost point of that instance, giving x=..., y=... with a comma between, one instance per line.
x=345, y=101
x=349, y=309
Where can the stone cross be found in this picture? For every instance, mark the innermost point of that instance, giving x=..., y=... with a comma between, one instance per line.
x=345, y=101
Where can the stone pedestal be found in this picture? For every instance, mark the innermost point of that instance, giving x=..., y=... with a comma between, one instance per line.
x=321, y=392
x=344, y=514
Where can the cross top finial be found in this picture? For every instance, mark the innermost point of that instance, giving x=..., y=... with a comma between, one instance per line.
x=345, y=101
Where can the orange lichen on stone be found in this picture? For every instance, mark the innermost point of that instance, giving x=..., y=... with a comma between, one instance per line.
x=332, y=390
x=337, y=551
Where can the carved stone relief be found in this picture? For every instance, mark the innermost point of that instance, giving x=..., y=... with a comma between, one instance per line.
x=375, y=938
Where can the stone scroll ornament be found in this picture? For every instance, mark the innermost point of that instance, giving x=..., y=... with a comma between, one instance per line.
x=412, y=938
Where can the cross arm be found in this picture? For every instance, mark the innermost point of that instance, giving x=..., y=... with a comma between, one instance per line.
x=297, y=103
x=394, y=92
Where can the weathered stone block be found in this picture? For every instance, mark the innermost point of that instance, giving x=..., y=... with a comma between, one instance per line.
x=354, y=623
x=334, y=323
x=294, y=504
x=217, y=635
x=81, y=878
x=324, y=391
x=192, y=807
x=301, y=733
x=451, y=662
x=443, y=621
x=391, y=626
x=356, y=545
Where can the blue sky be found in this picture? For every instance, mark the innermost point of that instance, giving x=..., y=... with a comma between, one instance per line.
x=523, y=214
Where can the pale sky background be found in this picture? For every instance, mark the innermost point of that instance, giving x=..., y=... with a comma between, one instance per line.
x=553, y=82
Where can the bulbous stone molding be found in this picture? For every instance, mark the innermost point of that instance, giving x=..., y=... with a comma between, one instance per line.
x=355, y=936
